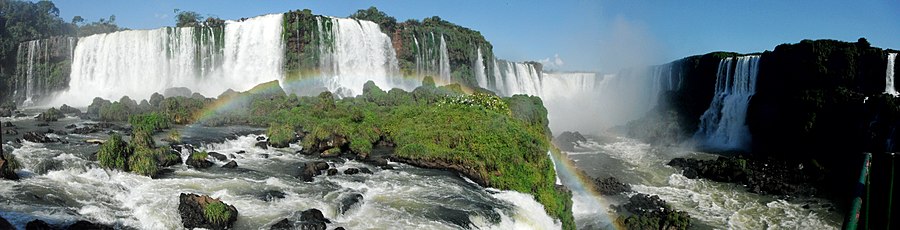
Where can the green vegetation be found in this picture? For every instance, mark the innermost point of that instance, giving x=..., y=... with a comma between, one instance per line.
x=199, y=156
x=216, y=212
x=144, y=161
x=386, y=22
x=280, y=135
x=114, y=153
x=51, y=114
x=12, y=164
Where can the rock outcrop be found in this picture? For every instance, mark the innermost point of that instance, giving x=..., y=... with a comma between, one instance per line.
x=205, y=212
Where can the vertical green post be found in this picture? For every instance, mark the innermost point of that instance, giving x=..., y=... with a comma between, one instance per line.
x=852, y=219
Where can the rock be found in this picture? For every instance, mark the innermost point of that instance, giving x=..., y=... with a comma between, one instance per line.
x=321, y=165
x=262, y=144
x=260, y=138
x=650, y=212
x=284, y=224
x=312, y=219
x=201, y=164
x=270, y=195
x=8, y=124
x=351, y=171
x=5, y=171
x=43, y=124
x=191, y=208
x=611, y=186
x=218, y=156
x=37, y=137
x=312, y=169
x=264, y=156
x=349, y=201
x=365, y=170
x=38, y=225
x=6, y=112
x=240, y=152
x=230, y=165
x=378, y=161
x=169, y=159
x=66, y=109
x=567, y=141
x=86, y=130
x=87, y=225
x=332, y=172
x=4, y=224
x=70, y=126
x=51, y=114
x=338, y=228
x=333, y=152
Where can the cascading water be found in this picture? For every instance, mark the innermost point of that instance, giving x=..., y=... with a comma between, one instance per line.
x=889, y=76
x=29, y=80
x=137, y=63
x=723, y=126
x=361, y=52
x=516, y=78
x=445, y=62
x=480, y=76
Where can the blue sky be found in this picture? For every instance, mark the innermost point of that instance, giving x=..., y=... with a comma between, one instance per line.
x=576, y=35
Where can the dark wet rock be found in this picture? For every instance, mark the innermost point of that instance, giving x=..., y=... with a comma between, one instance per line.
x=283, y=224
x=51, y=114
x=230, y=165
x=240, y=152
x=378, y=161
x=169, y=159
x=87, y=225
x=191, y=208
x=312, y=169
x=37, y=137
x=8, y=124
x=610, y=186
x=231, y=156
x=260, y=138
x=651, y=212
x=200, y=164
x=312, y=219
x=218, y=156
x=387, y=167
x=262, y=145
x=37, y=225
x=70, y=126
x=567, y=141
x=338, y=228
x=20, y=115
x=66, y=109
x=762, y=176
x=365, y=170
x=4, y=224
x=57, y=132
x=349, y=201
x=270, y=195
x=351, y=171
x=6, y=171
x=462, y=168
x=43, y=124
x=332, y=172
x=11, y=132
x=333, y=152
x=87, y=129
x=264, y=156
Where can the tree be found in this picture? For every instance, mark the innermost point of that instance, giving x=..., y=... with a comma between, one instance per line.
x=77, y=20
x=387, y=23
x=187, y=18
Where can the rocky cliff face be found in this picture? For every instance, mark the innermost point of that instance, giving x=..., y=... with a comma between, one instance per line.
x=42, y=68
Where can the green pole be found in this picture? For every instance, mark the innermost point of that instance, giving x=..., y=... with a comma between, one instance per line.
x=853, y=217
x=891, y=194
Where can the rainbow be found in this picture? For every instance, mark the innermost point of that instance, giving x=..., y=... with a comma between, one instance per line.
x=578, y=182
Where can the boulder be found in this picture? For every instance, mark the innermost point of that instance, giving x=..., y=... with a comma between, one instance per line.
x=567, y=141
x=38, y=225
x=365, y=170
x=205, y=212
x=283, y=224
x=270, y=195
x=351, y=171
x=87, y=129
x=66, y=109
x=51, y=114
x=333, y=152
x=169, y=159
x=218, y=156
x=87, y=225
x=260, y=138
x=610, y=186
x=37, y=137
x=6, y=172
x=349, y=201
x=200, y=164
x=312, y=219
x=262, y=144
x=230, y=165
x=332, y=172
x=4, y=224
x=8, y=124
x=312, y=169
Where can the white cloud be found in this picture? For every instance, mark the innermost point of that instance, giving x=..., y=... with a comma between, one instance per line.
x=552, y=63
x=161, y=16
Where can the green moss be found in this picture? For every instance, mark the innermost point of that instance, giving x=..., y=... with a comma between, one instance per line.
x=199, y=156
x=114, y=153
x=216, y=212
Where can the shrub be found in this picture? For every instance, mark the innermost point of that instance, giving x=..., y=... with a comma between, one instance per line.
x=199, y=156
x=216, y=212
x=114, y=153
x=281, y=135
x=144, y=162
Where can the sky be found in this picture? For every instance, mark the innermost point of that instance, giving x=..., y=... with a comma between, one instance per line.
x=575, y=35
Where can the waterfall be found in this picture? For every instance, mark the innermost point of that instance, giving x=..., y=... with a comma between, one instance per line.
x=889, y=75
x=478, y=67
x=29, y=73
x=723, y=126
x=445, y=62
x=516, y=78
x=361, y=52
x=137, y=63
